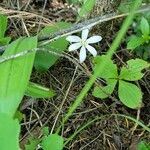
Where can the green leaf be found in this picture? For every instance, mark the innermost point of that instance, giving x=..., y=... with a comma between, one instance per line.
x=133, y=70
x=110, y=70
x=52, y=142
x=5, y=40
x=45, y=131
x=44, y=60
x=15, y=74
x=33, y=143
x=3, y=25
x=9, y=133
x=86, y=8
x=143, y=146
x=145, y=28
x=18, y=115
x=104, y=92
x=135, y=42
x=126, y=6
x=130, y=95
x=37, y=91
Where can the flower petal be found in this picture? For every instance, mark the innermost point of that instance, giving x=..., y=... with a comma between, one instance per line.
x=94, y=39
x=74, y=46
x=91, y=50
x=82, y=54
x=85, y=33
x=73, y=38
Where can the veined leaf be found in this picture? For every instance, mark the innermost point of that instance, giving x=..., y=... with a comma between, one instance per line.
x=38, y=91
x=9, y=133
x=133, y=70
x=130, y=95
x=44, y=60
x=110, y=70
x=104, y=92
x=52, y=142
x=15, y=74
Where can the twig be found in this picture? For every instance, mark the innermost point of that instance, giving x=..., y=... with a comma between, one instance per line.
x=86, y=24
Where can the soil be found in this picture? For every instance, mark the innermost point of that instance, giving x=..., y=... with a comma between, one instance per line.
x=108, y=133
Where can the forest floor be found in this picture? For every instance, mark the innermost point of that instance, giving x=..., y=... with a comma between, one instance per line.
x=111, y=132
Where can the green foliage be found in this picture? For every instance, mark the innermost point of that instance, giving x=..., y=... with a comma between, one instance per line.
x=9, y=133
x=129, y=94
x=44, y=60
x=132, y=72
x=15, y=74
x=3, y=26
x=32, y=145
x=141, y=41
x=143, y=146
x=52, y=142
x=37, y=91
x=126, y=6
x=86, y=8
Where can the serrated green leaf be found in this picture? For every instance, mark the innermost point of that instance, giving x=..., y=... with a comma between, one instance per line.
x=104, y=92
x=143, y=146
x=3, y=25
x=110, y=70
x=32, y=145
x=52, y=142
x=15, y=74
x=135, y=42
x=86, y=8
x=44, y=60
x=130, y=95
x=145, y=28
x=37, y=91
x=132, y=71
x=9, y=133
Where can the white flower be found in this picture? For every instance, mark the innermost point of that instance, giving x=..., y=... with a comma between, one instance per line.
x=83, y=44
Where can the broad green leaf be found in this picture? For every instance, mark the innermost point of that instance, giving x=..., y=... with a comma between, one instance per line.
x=130, y=95
x=135, y=42
x=52, y=142
x=86, y=8
x=132, y=71
x=104, y=92
x=143, y=146
x=44, y=60
x=9, y=133
x=3, y=25
x=15, y=74
x=110, y=70
x=38, y=91
x=145, y=28
x=32, y=145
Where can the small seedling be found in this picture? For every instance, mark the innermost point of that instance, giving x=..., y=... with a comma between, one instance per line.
x=141, y=40
x=129, y=94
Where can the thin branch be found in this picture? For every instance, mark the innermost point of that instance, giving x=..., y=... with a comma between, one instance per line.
x=86, y=24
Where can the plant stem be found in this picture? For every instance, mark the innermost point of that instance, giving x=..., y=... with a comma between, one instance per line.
x=97, y=72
